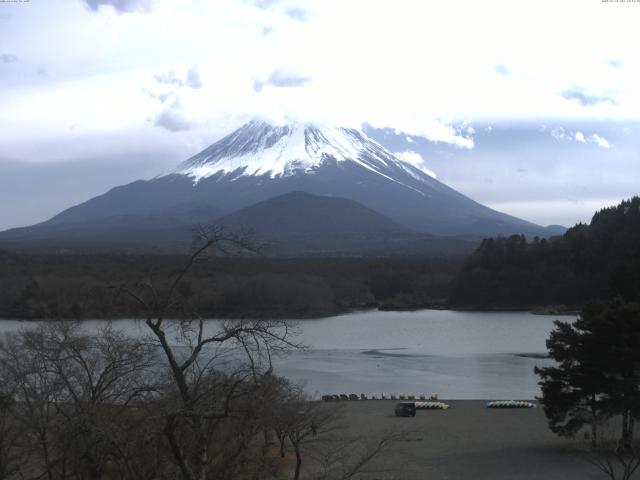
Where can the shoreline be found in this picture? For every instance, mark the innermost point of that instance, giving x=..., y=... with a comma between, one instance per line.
x=547, y=311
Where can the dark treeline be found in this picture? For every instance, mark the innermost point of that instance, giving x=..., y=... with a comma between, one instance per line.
x=599, y=260
x=67, y=286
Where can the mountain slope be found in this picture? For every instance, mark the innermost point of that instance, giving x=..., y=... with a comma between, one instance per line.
x=300, y=213
x=299, y=222
x=129, y=233
x=263, y=160
x=260, y=161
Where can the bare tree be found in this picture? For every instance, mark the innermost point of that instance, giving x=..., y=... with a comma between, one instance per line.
x=308, y=419
x=11, y=459
x=341, y=457
x=73, y=390
x=102, y=375
x=617, y=458
x=35, y=392
x=207, y=374
x=280, y=413
x=315, y=432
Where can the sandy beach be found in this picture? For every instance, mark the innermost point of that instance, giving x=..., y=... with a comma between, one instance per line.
x=467, y=441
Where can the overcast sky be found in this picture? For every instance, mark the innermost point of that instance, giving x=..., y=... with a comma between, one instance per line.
x=529, y=107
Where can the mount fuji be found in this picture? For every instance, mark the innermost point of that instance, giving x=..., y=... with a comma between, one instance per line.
x=334, y=187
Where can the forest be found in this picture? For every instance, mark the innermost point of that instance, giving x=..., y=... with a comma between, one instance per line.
x=590, y=261
x=596, y=260
x=66, y=286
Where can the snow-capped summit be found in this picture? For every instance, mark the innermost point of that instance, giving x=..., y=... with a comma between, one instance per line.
x=341, y=179
x=259, y=148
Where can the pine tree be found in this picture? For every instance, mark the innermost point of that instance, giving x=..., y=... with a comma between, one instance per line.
x=572, y=391
x=620, y=328
x=597, y=374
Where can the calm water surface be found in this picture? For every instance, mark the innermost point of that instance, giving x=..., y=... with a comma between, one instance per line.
x=458, y=355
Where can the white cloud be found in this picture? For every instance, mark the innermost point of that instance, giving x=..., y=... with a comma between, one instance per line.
x=124, y=6
x=190, y=79
x=173, y=120
x=415, y=159
x=8, y=58
x=99, y=92
x=559, y=134
x=600, y=141
x=281, y=79
x=354, y=74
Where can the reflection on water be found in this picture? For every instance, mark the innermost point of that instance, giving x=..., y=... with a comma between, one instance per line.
x=458, y=355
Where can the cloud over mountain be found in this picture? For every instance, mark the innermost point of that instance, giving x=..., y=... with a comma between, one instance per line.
x=281, y=78
x=190, y=79
x=415, y=159
x=122, y=6
x=8, y=58
x=587, y=100
x=173, y=118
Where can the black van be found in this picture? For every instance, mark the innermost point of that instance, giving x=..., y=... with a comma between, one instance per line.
x=406, y=409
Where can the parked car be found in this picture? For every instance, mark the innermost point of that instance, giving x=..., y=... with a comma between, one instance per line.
x=405, y=409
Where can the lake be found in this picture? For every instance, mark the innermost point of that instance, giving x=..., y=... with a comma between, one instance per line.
x=457, y=355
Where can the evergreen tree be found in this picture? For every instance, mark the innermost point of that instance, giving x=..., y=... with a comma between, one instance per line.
x=619, y=325
x=572, y=391
x=599, y=260
x=598, y=370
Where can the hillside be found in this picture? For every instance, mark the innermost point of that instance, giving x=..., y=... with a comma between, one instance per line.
x=598, y=260
x=262, y=161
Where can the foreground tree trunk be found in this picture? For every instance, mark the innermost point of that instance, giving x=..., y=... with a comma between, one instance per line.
x=282, y=440
x=624, y=439
x=594, y=423
x=298, y=464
